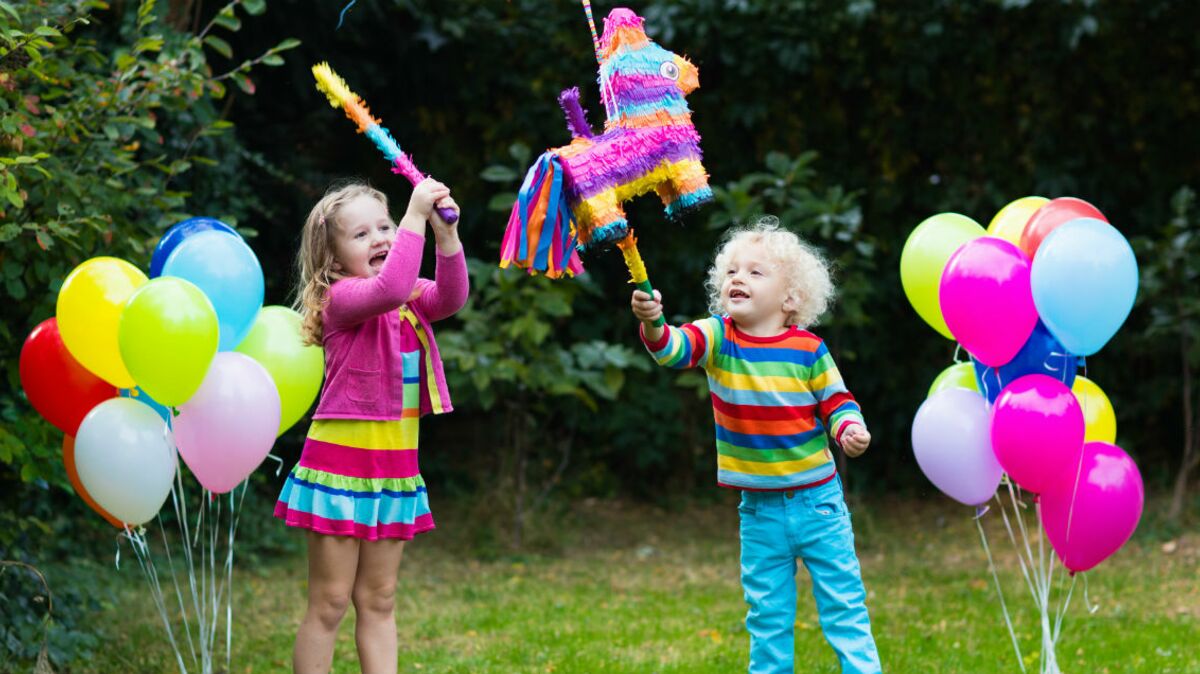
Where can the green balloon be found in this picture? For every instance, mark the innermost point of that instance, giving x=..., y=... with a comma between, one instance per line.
x=925, y=255
x=168, y=335
x=959, y=375
x=274, y=341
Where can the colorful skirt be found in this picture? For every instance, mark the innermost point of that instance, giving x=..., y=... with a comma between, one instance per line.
x=358, y=478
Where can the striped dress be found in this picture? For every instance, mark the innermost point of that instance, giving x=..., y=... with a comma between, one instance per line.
x=774, y=401
x=360, y=477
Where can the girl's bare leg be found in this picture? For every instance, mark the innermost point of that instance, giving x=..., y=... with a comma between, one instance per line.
x=374, y=605
x=332, y=567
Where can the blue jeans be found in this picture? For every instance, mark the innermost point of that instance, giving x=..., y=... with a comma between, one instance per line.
x=814, y=525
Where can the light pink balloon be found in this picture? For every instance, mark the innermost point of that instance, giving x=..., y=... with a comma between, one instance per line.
x=986, y=299
x=228, y=427
x=1089, y=522
x=1037, y=432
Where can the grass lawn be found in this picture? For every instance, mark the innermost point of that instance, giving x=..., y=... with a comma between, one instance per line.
x=632, y=588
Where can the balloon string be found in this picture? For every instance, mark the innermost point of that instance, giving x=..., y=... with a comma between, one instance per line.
x=999, y=590
x=187, y=628
x=279, y=468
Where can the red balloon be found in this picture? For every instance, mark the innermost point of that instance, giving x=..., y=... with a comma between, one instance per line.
x=68, y=452
x=1051, y=215
x=59, y=388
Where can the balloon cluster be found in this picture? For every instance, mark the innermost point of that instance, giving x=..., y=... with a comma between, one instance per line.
x=132, y=368
x=1048, y=283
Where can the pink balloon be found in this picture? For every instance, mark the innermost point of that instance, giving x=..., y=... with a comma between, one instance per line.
x=228, y=427
x=1037, y=432
x=986, y=299
x=1088, y=522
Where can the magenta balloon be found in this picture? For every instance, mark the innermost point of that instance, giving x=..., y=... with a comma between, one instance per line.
x=1037, y=432
x=1088, y=522
x=228, y=427
x=986, y=299
x=950, y=440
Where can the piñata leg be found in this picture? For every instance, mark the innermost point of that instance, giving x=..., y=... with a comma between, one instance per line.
x=689, y=185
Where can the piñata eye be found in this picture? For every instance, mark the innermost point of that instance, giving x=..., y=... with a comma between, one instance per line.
x=669, y=70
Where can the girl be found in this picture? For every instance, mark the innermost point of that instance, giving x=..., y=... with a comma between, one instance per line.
x=357, y=488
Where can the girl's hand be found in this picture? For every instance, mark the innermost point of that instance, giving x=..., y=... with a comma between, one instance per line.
x=427, y=193
x=441, y=228
x=647, y=309
x=855, y=440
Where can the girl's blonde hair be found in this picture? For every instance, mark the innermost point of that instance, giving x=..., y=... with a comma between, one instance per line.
x=807, y=277
x=314, y=263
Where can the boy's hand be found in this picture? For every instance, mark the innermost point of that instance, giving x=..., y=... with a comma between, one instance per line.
x=647, y=309
x=855, y=440
x=427, y=193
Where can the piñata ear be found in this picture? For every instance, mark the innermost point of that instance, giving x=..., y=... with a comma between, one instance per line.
x=622, y=29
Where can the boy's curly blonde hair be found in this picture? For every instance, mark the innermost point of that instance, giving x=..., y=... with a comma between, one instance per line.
x=314, y=262
x=807, y=276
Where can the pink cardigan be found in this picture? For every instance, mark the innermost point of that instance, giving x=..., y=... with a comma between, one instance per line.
x=363, y=373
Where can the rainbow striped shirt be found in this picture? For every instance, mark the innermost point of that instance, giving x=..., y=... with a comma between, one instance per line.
x=773, y=400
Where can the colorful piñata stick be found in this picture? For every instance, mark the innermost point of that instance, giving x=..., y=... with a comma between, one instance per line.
x=340, y=96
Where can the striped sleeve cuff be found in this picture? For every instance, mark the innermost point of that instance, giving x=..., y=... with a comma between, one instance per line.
x=658, y=344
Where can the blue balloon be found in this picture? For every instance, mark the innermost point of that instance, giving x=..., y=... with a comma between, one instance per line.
x=1041, y=354
x=228, y=272
x=177, y=233
x=1084, y=280
x=141, y=396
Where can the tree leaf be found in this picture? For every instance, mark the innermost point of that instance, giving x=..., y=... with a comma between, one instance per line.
x=220, y=46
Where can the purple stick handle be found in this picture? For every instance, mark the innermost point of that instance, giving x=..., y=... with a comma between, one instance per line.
x=405, y=167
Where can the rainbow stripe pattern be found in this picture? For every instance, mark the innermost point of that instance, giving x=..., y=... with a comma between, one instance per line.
x=774, y=401
x=340, y=96
x=649, y=144
x=361, y=478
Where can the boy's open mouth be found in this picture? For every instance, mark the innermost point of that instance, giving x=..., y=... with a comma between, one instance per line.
x=738, y=294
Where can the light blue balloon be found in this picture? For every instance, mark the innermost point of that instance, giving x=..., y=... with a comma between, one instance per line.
x=1084, y=280
x=141, y=396
x=228, y=272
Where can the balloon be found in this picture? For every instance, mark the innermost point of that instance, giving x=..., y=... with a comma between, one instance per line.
x=1084, y=280
x=227, y=271
x=229, y=426
x=986, y=301
x=1041, y=354
x=68, y=453
x=142, y=397
x=296, y=369
x=89, y=307
x=1010, y=221
x=125, y=460
x=1037, y=432
x=1099, y=420
x=924, y=257
x=958, y=375
x=58, y=387
x=1050, y=216
x=176, y=235
x=168, y=337
x=1089, y=521
x=951, y=443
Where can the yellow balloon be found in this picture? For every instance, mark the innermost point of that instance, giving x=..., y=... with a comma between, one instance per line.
x=1010, y=221
x=296, y=369
x=1101, y=422
x=168, y=337
x=958, y=375
x=924, y=258
x=89, y=309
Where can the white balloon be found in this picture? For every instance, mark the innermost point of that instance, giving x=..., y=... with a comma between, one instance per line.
x=125, y=459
